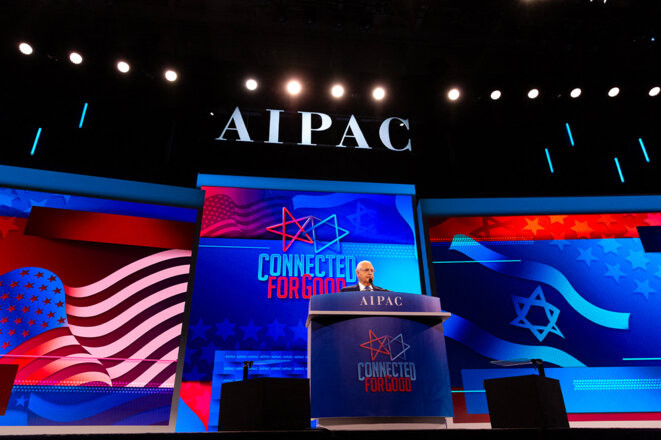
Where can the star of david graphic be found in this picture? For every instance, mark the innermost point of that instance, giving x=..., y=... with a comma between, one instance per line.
x=398, y=341
x=522, y=307
x=331, y=222
x=281, y=229
x=363, y=219
x=379, y=342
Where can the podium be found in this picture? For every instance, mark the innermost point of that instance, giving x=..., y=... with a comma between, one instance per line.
x=378, y=359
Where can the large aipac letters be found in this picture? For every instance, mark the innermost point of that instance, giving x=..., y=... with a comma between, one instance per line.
x=352, y=130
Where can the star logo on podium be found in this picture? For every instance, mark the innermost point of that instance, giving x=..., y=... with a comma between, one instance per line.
x=281, y=229
x=376, y=345
x=398, y=341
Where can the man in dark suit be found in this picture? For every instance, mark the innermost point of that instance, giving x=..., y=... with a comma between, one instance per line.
x=365, y=275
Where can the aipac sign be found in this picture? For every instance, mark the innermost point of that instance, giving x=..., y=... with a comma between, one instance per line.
x=352, y=132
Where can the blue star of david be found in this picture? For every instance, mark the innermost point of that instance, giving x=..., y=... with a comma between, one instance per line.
x=523, y=305
x=404, y=347
x=357, y=219
x=340, y=233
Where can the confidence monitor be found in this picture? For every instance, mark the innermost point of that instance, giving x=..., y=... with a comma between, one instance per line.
x=574, y=281
x=94, y=276
x=266, y=247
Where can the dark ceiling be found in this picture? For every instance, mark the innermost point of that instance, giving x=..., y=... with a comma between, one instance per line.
x=141, y=128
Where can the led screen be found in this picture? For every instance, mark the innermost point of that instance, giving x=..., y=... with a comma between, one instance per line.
x=92, y=297
x=579, y=290
x=263, y=253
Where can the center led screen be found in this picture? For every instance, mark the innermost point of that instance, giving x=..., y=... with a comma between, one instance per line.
x=262, y=254
x=578, y=290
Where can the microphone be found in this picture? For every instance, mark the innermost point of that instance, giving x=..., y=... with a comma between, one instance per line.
x=371, y=280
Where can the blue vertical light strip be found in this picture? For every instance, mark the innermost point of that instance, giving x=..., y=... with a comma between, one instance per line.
x=36, y=139
x=619, y=170
x=548, y=158
x=571, y=138
x=82, y=117
x=642, y=146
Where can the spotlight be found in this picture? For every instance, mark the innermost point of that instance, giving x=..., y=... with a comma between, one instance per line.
x=378, y=93
x=654, y=91
x=575, y=93
x=123, y=66
x=614, y=92
x=75, y=58
x=454, y=94
x=533, y=93
x=294, y=87
x=25, y=48
x=170, y=75
x=495, y=95
x=251, y=84
x=337, y=91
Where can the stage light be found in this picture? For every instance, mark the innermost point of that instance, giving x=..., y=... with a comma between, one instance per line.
x=251, y=84
x=533, y=93
x=75, y=57
x=495, y=95
x=378, y=93
x=25, y=48
x=614, y=92
x=337, y=91
x=170, y=75
x=454, y=94
x=575, y=93
x=654, y=91
x=123, y=66
x=294, y=87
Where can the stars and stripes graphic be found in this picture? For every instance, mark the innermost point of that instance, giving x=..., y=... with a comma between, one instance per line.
x=123, y=330
x=223, y=217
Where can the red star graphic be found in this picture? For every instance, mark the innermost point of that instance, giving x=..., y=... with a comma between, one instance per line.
x=11, y=332
x=31, y=322
x=59, y=304
x=25, y=309
x=380, y=349
x=61, y=320
x=13, y=284
x=39, y=274
x=18, y=320
x=19, y=297
x=58, y=290
x=46, y=301
x=11, y=308
x=44, y=324
x=42, y=288
x=5, y=344
x=51, y=314
x=29, y=285
x=25, y=333
x=3, y=320
x=281, y=229
x=5, y=296
x=51, y=278
x=34, y=298
x=24, y=272
x=38, y=312
x=6, y=225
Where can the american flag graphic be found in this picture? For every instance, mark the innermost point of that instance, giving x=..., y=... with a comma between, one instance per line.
x=123, y=330
x=222, y=217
